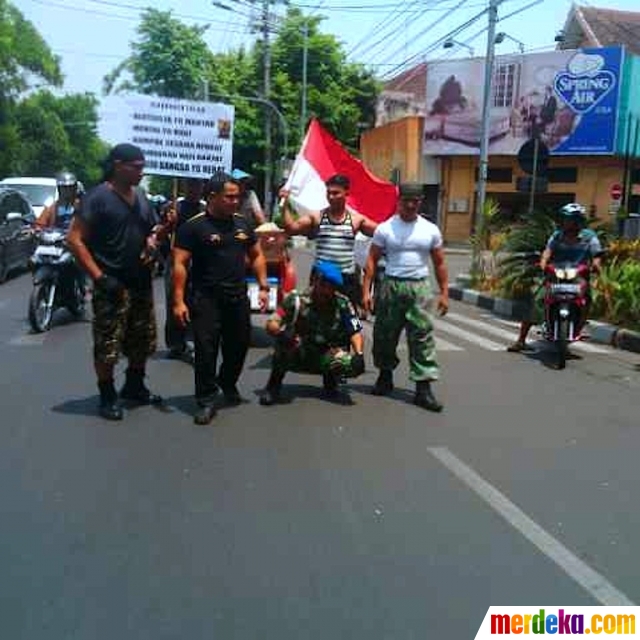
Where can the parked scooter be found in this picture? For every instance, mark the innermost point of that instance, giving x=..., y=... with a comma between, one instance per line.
x=565, y=302
x=57, y=281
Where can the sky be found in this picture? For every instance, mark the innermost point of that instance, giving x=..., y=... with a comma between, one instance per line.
x=93, y=36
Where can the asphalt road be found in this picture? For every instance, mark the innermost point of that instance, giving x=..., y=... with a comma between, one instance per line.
x=367, y=518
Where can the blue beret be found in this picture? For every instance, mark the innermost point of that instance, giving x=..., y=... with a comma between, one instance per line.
x=330, y=272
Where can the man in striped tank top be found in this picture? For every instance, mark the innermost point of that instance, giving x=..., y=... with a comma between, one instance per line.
x=334, y=229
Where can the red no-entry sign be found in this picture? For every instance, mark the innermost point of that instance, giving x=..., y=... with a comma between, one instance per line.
x=616, y=191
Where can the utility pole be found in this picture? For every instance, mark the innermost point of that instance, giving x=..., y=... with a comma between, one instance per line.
x=268, y=169
x=305, y=62
x=486, y=112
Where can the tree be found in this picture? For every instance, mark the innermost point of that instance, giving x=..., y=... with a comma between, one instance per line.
x=23, y=52
x=59, y=132
x=168, y=59
x=171, y=59
x=340, y=94
x=23, y=55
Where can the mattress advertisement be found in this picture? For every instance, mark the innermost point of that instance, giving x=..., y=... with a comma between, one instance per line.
x=568, y=98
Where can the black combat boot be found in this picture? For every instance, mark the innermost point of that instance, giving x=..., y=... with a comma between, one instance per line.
x=232, y=397
x=109, y=408
x=135, y=390
x=330, y=384
x=205, y=414
x=424, y=397
x=384, y=383
x=273, y=390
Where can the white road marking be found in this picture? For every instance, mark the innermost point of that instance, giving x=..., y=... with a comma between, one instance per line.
x=441, y=344
x=485, y=343
x=503, y=333
x=444, y=345
x=589, y=579
x=478, y=324
x=28, y=340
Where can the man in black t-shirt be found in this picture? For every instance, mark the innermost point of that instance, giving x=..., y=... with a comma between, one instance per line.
x=217, y=244
x=111, y=237
x=176, y=337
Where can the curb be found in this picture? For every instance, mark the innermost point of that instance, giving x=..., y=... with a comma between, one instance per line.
x=599, y=332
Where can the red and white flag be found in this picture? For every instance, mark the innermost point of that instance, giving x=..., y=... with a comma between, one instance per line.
x=322, y=156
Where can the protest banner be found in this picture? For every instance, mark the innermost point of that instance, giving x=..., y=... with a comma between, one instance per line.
x=178, y=137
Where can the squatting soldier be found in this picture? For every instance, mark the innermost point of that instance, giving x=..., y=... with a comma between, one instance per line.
x=316, y=332
x=407, y=241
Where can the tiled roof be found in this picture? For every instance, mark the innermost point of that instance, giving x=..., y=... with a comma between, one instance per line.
x=605, y=27
x=412, y=81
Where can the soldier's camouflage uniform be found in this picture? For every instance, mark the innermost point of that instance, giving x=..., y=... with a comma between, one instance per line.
x=125, y=322
x=315, y=342
x=405, y=304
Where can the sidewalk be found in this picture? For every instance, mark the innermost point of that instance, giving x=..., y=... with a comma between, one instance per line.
x=598, y=332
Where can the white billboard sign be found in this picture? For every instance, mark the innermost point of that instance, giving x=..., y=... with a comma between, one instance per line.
x=178, y=137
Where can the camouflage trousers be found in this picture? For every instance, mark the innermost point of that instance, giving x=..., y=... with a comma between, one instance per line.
x=123, y=323
x=304, y=358
x=405, y=304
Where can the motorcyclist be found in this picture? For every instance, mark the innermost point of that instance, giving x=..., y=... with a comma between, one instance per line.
x=59, y=213
x=572, y=243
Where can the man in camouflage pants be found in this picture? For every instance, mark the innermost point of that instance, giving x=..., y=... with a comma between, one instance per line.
x=316, y=332
x=407, y=242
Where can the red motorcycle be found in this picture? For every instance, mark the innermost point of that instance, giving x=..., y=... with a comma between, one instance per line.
x=565, y=303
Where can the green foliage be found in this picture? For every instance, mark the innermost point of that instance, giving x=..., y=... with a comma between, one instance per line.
x=621, y=249
x=518, y=271
x=23, y=53
x=57, y=133
x=489, y=222
x=168, y=59
x=171, y=59
x=40, y=134
x=616, y=293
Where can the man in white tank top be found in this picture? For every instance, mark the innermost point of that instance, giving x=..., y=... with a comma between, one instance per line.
x=409, y=242
x=334, y=230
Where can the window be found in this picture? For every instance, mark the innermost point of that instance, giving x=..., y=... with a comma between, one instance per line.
x=504, y=84
x=498, y=174
x=635, y=176
x=562, y=174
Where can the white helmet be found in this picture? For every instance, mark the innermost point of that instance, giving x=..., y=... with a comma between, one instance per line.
x=573, y=210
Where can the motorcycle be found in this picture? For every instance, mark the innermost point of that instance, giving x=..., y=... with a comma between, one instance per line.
x=565, y=302
x=57, y=281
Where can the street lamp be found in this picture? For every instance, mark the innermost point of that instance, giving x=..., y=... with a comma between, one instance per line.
x=500, y=37
x=449, y=44
x=266, y=103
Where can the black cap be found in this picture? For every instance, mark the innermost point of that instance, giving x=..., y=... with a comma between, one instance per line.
x=411, y=190
x=126, y=152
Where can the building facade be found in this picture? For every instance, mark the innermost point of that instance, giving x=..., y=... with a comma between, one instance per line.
x=583, y=104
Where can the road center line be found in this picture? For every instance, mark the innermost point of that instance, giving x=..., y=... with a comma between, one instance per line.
x=589, y=579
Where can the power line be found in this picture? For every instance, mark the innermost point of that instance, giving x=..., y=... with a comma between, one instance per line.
x=436, y=23
x=377, y=8
x=139, y=9
x=384, y=23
